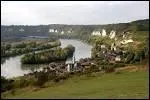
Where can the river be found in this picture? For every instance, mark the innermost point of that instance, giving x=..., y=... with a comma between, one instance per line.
x=12, y=66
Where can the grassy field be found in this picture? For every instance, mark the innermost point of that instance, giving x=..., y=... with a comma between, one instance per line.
x=124, y=85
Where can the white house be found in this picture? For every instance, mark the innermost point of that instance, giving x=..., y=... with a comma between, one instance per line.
x=126, y=41
x=38, y=30
x=21, y=30
x=123, y=36
x=103, y=46
x=68, y=67
x=113, y=47
x=104, y=32
x=117, y=58
x=10, y=29
x=112, y=34
x=103, y=51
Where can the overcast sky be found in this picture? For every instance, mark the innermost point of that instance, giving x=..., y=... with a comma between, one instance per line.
x=72, y=12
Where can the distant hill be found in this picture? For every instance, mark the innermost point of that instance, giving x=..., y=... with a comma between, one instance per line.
x=13, y=32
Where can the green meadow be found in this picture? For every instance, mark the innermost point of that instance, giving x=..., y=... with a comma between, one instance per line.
x=112, y=85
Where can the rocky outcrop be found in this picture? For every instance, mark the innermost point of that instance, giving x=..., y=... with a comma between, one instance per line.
x=96, y=33
x=104, y=32
x=62, y=32
x=112, y=34
x=51, y=30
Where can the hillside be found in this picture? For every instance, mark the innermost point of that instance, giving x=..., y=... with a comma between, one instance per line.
x=124, y=85
x=69, y=31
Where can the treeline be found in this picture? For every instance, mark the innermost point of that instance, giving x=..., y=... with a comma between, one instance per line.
x=54, y=54
x=8, y=49
x=6, y=84
x=77, y=31
x=134, y=55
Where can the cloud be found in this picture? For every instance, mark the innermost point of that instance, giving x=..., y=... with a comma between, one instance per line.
x=73, y=12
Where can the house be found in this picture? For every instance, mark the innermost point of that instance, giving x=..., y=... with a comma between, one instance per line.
x=70, y=66
x=103, y=46
x=127, y=41
x=10, y=29
x=113, y=47
x=69, y=31
x=86, y=64
x=76, y=66
x=34, y=49
x=38, y=31
x=123, y=36
x=117, y=58
x=21, y=30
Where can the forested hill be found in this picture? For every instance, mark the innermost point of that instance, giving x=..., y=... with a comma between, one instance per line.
x=69, y=31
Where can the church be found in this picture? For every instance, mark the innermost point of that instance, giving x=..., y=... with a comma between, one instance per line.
x=71, y=64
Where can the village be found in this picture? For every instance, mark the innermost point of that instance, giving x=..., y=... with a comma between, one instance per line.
x=113, y=54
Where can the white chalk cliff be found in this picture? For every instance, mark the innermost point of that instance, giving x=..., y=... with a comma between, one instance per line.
x=104, y=32
x=62, y=32
x=56, y=30
x=96, y=33
x=51, y=30
x=112, y=34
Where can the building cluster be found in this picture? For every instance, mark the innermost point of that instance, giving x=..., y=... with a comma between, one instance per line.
x=62, y=68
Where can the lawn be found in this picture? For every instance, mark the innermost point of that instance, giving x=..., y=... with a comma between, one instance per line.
x=124, y=85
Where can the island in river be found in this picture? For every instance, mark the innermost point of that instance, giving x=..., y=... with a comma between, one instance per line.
x=12, y=67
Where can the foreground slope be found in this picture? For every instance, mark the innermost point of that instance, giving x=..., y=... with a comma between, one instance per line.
x=124, y=85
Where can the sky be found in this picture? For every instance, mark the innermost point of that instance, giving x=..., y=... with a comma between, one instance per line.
x=72, y=12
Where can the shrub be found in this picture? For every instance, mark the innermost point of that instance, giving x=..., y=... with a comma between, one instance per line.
x=109, y=69
x=72, y=73
x=56, y=79
x=94, y=68
x=5, y=84
x=41, y=79
x=119, y=65
x=65, y=76
x=23, y=83
x=13, y=91
x=88, y=74
x=118, y=72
